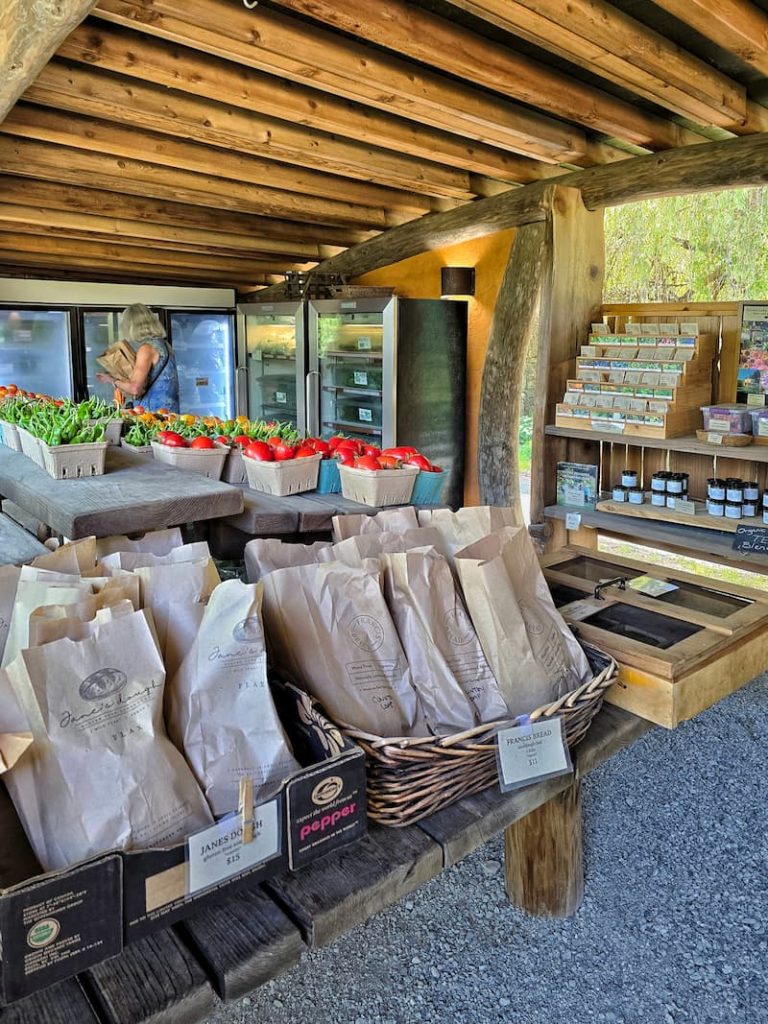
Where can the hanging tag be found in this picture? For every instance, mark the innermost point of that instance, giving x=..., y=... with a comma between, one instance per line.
x=245, y=809
x=531, y=752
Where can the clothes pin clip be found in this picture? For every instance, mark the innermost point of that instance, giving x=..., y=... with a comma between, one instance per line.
x=524, y=722
x=245, y=809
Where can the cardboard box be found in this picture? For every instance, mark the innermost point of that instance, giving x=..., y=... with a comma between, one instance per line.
x=55, y=925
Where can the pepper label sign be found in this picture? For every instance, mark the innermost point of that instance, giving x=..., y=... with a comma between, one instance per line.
x=752, y=539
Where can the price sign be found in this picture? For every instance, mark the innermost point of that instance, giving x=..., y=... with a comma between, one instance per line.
x=365, y=415
x=281, y=397
x=361, y=378
x=572, y=520
x=363, y=343
x=218, y=852
x=530, y=752
x=751, y=538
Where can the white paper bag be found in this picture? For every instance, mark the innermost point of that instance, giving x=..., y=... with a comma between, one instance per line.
x=35, y=588
x=219, y=708
x=389, y=520
x=156, y=542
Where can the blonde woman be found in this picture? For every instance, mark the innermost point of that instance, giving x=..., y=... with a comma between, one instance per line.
x=154, y=379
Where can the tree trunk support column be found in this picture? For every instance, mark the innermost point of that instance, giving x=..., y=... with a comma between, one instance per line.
x=544, y=862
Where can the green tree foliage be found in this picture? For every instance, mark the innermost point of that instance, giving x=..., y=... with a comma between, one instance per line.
x=703, y=247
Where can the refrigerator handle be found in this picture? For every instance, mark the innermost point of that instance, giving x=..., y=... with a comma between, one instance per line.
x=241, y=391
x=313, y=414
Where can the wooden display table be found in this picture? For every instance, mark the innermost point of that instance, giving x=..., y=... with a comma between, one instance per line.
x=134, y=495
x=16, y=545
x=259, y=932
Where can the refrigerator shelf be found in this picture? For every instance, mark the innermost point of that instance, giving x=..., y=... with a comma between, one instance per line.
x=365, y=392
x=352, y=354
x=359, y=428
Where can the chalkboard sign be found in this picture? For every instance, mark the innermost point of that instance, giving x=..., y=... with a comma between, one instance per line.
x=751, y=538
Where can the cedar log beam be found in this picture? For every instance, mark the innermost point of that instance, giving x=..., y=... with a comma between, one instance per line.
x=735, y=162
x=31, y=34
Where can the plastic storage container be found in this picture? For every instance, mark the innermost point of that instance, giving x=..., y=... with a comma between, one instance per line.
x=428, y=488
x=205, y=461
x=378, y=488
x=328, y=480
x=283, y=478
x=71, y=461
x=727, y=419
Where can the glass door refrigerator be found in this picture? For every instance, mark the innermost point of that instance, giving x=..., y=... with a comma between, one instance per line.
x=36, y=350
x=272, y=368
x=204, y=345
x=393, y=372
x=99, y=328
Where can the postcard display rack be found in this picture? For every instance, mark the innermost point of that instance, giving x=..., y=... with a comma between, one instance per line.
x=643, y=383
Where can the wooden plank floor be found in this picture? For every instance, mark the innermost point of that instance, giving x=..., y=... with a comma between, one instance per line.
x=245, y=940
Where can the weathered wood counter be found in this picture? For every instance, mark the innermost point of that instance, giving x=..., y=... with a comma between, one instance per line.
x=134, y=495
x=258, y=933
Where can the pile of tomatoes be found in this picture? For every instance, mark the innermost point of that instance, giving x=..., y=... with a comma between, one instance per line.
x=345, y=450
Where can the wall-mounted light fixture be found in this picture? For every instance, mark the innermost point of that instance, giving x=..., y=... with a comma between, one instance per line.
x=456, y=281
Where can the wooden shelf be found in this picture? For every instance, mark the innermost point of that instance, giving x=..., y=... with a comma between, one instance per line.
x=700, y=521
x=688, y=444
x=685, y=539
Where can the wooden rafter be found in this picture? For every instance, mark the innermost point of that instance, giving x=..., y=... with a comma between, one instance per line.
x=608, y=42
x=740, y=161
x=137, y=56
x=42, y=160
x=85, y=91
x=48, y=195
x=279, y=45
x=31, y=264
x=434, y=41
x=45, y=125
x=31, y=32
x=739, y=26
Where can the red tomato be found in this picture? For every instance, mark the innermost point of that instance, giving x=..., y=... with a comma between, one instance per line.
x=321, y=447
x=274, y=441
x=259, y=451
x=171, y=439
x=334, y=442
x=345, y=457
x=420, y=461
x=202, y=442
x=436, y=469
x=371, y=449
x=400, y=452
x=304, y=452
x=368, y=462
x=282, y=452
x=223, y=439
x=388, y=462
x=350, y=445
x=139, y=409
x=242, y=440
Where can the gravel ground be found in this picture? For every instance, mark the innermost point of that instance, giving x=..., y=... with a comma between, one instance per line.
x=673, y=928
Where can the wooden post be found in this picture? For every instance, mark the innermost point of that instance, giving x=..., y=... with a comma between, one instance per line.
x=511, y=330
x=544, y=863
x=571, y=294
x=31, y=35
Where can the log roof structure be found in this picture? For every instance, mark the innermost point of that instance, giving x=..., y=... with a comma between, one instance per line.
x=219, y=141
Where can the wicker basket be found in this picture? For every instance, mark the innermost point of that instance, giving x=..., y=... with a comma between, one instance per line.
x=409, y=779
x=378, y=488
x=283, y=478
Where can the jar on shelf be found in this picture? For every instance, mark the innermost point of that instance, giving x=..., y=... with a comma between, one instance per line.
x=716, y=507
x=716, y=489
x=733, y=510
x=629, y=478
x=734, y=490
x=635, y=496
x=658, y=498
x=675, y=485
x=748, y=508
x=619, y=493
x=751, y=490
x=659, y=483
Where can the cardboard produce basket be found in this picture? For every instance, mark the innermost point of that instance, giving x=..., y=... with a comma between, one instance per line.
x=205, y=461
x=30, y=446
x=283, y=478
x=70, y=461
x=378, y=487
x=11, y=436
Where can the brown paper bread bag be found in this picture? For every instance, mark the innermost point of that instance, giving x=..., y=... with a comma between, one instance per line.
x=219, y=707
x=101, y=773
x=81, y=622
x=354, y=550
x=532, y=652
x=9, y=581
x=35, y=588
x=265, y=555
x=329, y=628
x=156, y=542
x=389, y=520
x=468, y=525
x=448, y=667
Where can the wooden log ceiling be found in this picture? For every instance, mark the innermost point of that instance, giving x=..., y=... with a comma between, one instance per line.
x=197, y=140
